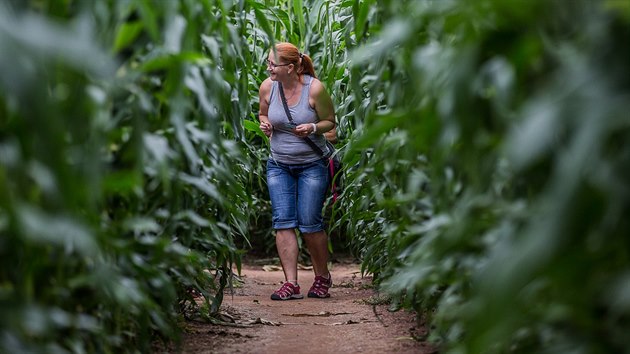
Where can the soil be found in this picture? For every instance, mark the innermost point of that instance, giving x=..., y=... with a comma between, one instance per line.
x=355, y=319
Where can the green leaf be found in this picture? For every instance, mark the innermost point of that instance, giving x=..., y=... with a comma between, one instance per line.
x=127, y=33
x=167, y=61
x=262, y=21
x=123, y=182
x=255, y=128
x=59, y=230
x=149, y=17
x=299, y=15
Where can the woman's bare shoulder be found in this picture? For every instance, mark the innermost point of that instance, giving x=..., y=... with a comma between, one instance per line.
x=265, y=89
x=266, y=84
x=317, y=88
x=315, y=83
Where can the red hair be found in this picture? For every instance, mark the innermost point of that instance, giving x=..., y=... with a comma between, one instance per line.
x=288, y=53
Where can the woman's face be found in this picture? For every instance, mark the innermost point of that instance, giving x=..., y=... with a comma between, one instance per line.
x=276, y=68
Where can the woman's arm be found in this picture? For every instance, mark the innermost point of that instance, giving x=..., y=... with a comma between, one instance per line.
x=331, y=135
x=322, y=103
x=263, y=93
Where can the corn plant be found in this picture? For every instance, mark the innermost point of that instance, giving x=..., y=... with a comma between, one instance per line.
x=122, y=168
x=487, y=176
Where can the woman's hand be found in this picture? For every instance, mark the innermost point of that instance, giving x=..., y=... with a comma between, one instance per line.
x=303, y=130
x=267, y=128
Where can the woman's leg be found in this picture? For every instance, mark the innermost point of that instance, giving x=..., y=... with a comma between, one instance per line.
x=283, y=192
x=287, y=245
x=312, y=191
x=317, y=244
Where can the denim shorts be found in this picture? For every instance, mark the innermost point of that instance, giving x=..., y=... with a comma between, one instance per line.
x=297, y=194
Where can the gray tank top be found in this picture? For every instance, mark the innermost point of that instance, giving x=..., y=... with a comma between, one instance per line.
x=286, y=147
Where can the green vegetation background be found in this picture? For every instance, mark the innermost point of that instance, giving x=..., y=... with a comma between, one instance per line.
x=487, y=147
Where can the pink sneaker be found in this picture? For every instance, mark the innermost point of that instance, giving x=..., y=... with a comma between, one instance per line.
x=287, y=291
x=320, y=287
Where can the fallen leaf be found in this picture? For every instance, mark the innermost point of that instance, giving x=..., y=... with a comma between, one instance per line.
x=226, y=317
x=271, y=268
x=348, y=322
x=259, y=320
x=303, y=267
x=321, y=314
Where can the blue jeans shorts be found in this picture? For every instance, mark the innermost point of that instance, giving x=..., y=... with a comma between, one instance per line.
x=297, y=194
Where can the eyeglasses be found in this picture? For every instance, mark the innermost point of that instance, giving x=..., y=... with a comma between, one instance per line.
x=274, y=65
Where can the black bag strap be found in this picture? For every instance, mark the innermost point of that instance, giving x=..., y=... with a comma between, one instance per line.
x=308, y=140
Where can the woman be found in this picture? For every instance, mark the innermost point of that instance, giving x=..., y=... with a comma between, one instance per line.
x=297, y=176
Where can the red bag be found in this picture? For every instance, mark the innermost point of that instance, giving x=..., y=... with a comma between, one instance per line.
x=335, y=172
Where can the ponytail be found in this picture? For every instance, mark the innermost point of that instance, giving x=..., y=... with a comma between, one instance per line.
x=306, y=66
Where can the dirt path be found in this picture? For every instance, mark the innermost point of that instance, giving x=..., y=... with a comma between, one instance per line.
x=347, y=322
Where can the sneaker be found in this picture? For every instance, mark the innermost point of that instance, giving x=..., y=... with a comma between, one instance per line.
x=320, y=287
x=287, y=291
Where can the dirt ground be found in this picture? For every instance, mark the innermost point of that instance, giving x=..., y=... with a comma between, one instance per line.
x=355, y=319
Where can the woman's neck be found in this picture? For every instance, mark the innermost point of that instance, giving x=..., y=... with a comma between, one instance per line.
x=291, y=82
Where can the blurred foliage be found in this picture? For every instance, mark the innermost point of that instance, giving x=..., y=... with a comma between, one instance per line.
x=132, y=166
x=122, y=168
x=488, y=178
